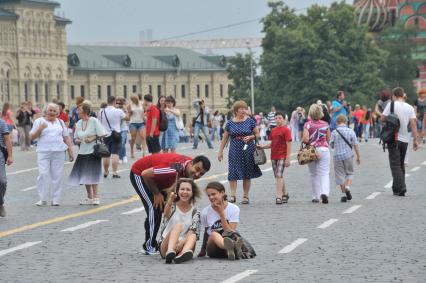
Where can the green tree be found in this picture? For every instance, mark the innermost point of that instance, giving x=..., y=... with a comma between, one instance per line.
x=310, y=57
x=400, y=68
x=239, y=72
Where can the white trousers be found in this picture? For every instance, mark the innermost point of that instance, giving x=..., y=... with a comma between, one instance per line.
x=295, y=133
x=319, y=172
x=50, y=174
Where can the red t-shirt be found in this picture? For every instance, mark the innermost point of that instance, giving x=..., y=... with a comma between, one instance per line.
x=150, y=114
x=359, y=114
x=167, y=167
x=279, y=138
x=63, y=116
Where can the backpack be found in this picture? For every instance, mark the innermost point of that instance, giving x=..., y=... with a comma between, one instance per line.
x=391, y=124
x=164, y=123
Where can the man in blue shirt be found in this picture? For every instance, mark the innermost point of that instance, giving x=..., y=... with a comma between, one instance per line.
x=339, y=106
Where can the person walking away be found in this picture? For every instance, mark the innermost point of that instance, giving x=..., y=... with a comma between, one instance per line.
x=151, y=177
x=343, y=140
x=216, y=122
x=24, y=117
x=124, y=130
x=317, y=133
x=280, y=155
x=398, y=149
x=180, y=227
x=87, y=169
x=171, y=135
x=241, y=132
x=420, y=109
x=152, y=125
x=137, y=125
x=338, y=106
x=294, y=125
x=53, y=140
x=6, y=159
x=357, y=117
x=110, y=118
x=366, y=122
x=201, y=121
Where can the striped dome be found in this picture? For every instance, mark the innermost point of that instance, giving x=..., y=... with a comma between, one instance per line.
x=374, y=13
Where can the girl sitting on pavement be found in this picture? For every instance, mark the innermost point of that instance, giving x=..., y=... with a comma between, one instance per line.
x=219, y=217
x=181, y=223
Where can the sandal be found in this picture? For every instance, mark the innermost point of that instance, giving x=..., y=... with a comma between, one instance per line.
x=245, y=200
x=232, y=199
x=278, y=201
x=285, y=198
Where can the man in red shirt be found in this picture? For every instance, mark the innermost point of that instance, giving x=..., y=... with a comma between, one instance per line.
x=62, y=115
x=358, y=115
x=280, y=155
x=152, y=176
x=152, y=127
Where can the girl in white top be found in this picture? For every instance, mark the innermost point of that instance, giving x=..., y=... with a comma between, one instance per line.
x=218, y=217
x=137, y=124
x=53, y=141
x=181, y=223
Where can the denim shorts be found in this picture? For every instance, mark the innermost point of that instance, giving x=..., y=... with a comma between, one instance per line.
x=136, y=126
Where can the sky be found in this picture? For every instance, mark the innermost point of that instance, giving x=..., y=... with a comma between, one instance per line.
x=123, y=20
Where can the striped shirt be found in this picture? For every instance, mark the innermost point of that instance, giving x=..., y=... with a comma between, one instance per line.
x=271, y=119
x=4, y=130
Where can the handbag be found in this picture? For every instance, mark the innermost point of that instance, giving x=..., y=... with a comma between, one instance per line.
x=259, y=155
x=306, y=154
x=179, y=123
x=100, y=150
x=243, y=251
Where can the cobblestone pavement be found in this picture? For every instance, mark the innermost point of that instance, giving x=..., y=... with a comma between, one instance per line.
x=379, y=239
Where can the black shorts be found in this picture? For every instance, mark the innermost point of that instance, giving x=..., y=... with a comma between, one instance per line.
x=113, y=146
x=153, y=144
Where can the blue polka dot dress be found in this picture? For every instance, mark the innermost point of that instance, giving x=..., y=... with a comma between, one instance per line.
x=241, y=162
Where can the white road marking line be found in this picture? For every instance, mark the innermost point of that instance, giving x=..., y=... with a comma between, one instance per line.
x=223, y=181
x=292, y=246
x=185, y=147
x=388, y=185
x=267, y=169
x=373, y=195
x=123, y=170
x=415, y=169
x=327, y=223
x=240, y=276
x=424, y=163
x=407, y=175
x=351, y=209
x=84, y=225
x=29, y=189
x=20, y=247
x=136, y=210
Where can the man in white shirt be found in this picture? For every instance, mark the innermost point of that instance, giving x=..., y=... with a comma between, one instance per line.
x=110, y=118
x=398, y=150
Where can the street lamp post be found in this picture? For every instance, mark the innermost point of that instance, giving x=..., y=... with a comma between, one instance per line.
x=251, y=78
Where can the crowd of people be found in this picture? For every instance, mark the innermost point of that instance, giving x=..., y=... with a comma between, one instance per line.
x=164, y=180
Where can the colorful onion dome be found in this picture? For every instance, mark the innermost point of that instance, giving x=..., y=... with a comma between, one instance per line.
x=373, y=13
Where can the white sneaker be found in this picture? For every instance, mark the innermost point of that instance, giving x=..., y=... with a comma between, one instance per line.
x=86, y=201
x=125, y=159
x=120, y=161
x=96, y=201
x=55, y=203
x=41, y=203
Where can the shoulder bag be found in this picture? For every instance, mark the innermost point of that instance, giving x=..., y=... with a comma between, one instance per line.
x=306, y=154
x=100, y=150
x=116, y=136
x=259, y=154
x=346, y=141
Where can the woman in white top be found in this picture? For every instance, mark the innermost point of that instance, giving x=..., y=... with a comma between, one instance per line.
x=216, y=121
x=219, y=217
x=53, y=141
x=137, y=124
x=87, y=169
x=180, y=227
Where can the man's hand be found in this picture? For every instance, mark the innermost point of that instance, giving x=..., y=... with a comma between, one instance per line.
x=220, y=156
x=415, y=144
x=358, y=161
x=9, y=161
x=159, y=201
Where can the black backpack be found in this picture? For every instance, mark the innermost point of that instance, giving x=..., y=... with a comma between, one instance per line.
x=391, y=124
x=164, y=123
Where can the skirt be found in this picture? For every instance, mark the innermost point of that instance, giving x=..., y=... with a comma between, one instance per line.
x=87, y=170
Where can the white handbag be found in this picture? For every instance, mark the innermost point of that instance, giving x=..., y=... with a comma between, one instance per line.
x=179, y=123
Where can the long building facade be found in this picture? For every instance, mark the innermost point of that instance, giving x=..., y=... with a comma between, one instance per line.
x=37, y=65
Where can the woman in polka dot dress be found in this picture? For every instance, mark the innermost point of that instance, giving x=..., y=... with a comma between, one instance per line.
x=241, y=131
